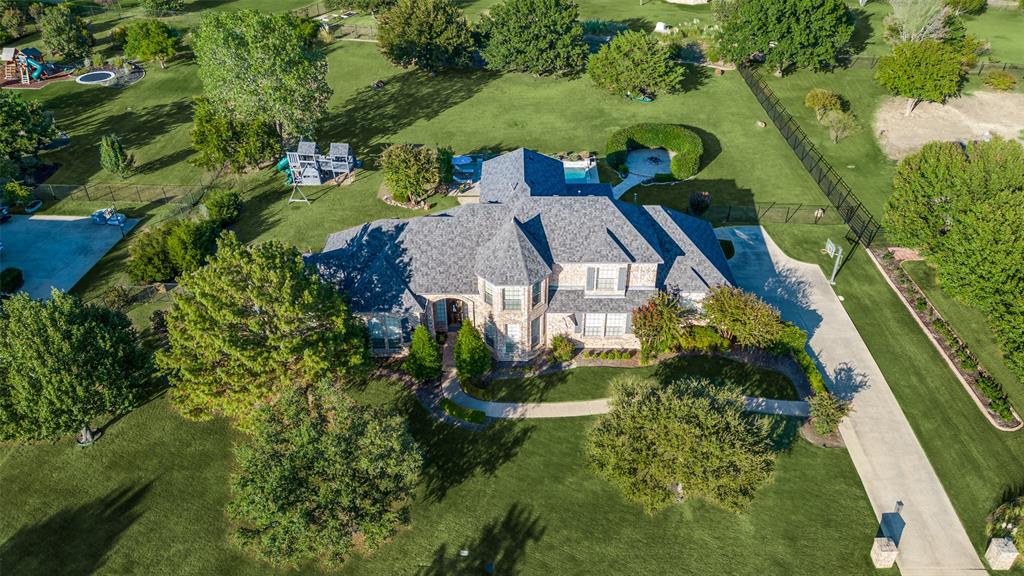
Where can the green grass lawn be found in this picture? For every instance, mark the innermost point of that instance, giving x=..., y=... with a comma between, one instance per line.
x=976, y=463
x=148, y=498
x=588, y=383
x=970, y=324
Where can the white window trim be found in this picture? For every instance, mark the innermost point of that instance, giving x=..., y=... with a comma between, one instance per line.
x=514, y=340
x=601, y=275
x=619, y=326
x=522, y=298
x=590, y=321
x=600, y=329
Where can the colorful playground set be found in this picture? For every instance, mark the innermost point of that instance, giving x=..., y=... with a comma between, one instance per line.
x=26, y=66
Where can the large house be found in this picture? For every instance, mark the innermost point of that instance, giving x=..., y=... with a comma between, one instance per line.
x=535, y=258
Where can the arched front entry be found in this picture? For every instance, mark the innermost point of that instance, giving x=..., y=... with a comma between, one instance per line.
x=449, y=314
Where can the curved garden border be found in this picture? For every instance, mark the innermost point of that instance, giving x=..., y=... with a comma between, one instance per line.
x=684, y=145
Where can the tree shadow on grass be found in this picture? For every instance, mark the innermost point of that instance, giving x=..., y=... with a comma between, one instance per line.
x=863, y=30
x=453, y=455
x=369, y=117
x=75, y=540
x=527, y=389
x=696, y=77
x=500, y=548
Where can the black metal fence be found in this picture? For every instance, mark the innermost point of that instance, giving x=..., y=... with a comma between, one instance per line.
x=771, y=213
x=849, y=208
x=133, y=193
x=978, y=68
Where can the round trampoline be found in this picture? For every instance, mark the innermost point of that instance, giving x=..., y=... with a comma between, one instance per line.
x=104, y=77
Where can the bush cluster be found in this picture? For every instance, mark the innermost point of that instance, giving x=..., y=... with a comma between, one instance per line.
x=424, y=361
x=472, y=357
x=998, y=401
x=1000, y=80
x=223, y=206
x=562, y=348
x=702, y=339
x=163, y=253
x=607, y=354
x=685, y=143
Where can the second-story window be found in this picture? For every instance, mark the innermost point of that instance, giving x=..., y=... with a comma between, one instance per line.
x=512, y=299
x=537, y=295
x=488, y=293
x=607, y=278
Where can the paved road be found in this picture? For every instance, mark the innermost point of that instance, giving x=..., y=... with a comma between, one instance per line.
x=889, y=459
x=454, y=392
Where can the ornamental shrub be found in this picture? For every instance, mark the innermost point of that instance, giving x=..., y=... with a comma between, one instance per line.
x=472, y=357
x=424, y=361
x=1000, y=80
x=10, y=280
x=684, y=143
x=702, y=339
x=189, y=243
x=822, y=101
x=826, y=412
x=148, y=258
x=223, y=206
x=998, y=401
x=966, y=6
x=562, y=348
x=117, y=297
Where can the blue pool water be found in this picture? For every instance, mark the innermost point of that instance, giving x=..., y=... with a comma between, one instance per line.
x=575, y=175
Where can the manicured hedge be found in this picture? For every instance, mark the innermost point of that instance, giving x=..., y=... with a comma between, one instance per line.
x=686, y=145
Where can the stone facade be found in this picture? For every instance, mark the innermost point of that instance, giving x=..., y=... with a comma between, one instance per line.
x=1001, y=553
x=884, y=552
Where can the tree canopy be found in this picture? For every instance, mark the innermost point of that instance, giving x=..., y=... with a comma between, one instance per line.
x=685, y=439
x=24, y=126
x=150, y=40
x=259, y=66
x=64, y=34
x=658, y=324
x=964, y=206
x=320, y=473
x=114, y=158
x=536, y=36
x=925, y=70
x=251, y=322
x=635, y=64
x=410, y=172
x=429, y=34
x=63, y=364
x=742, y=316
x=219, y=138
x=472, y=357
x=803, y=33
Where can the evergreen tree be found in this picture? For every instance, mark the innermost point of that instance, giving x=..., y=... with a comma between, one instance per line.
x=429, y=34
x=536, y=36
x=113, y=157
x=424, y=361
x=472, y=357
x=635, y=64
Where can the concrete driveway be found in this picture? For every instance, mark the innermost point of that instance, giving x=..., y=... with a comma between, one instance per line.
x=55, y=251
x=889, y=459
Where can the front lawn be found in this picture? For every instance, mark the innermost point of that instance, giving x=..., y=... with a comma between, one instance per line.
x=977, y=464
x=148, y=498
x=589, y=383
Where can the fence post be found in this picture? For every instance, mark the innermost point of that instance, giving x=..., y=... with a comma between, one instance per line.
x=139, y=194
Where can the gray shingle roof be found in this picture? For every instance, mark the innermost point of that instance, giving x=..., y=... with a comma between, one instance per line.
x=510, y=259
x=306, y=148
x=389, y=264
x=520, y=172
x=569, y=301
x=338, y=149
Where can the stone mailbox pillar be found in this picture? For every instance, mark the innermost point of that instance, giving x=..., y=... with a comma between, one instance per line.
x=884, y=552
x=1001, y=553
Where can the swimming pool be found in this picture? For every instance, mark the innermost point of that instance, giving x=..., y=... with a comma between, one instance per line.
x=580, y=173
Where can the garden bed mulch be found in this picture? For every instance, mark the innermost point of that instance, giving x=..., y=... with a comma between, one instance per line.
x=889, y=261
x=833, y=440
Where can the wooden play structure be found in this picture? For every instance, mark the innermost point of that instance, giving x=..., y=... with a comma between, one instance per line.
x=26, y=65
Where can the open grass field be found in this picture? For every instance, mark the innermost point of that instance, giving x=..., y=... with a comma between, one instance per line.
x=978, y=465
x=149, y=497
x=588, y=383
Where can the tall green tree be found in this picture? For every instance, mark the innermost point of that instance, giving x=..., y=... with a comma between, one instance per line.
x=536, y=36
x=150, y=40
x=429, y=34
x=410, y=172
x=635, y=64
x=930, y=188
x=64, y=34
x=658, y=324
x=220, y=139
x=162, y=7
x=925, y=70
x=63, y=364
x=114, y=158
x=24, y=126
x=424, y=361
x=742, y=316
x=12, y=22
x=662, y=443
x=472, y=357
x=803, y=33
x=258, y=66
x=320, y=473
x=371, y=6
x=250, y=323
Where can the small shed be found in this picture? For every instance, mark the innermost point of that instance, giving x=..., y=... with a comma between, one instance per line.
x=311, y=168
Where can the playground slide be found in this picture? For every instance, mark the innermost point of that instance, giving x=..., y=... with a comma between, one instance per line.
x=282, y=166
x=39, y=69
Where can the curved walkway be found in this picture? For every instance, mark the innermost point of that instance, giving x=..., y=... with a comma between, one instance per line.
x=451, y=389
x=890, y=461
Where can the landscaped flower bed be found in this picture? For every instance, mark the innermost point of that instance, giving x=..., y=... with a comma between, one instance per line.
x=988, y=391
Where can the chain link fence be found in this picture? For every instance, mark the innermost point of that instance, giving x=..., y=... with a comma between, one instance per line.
x=135, y=193
x=849, y=208
x=772, y=213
